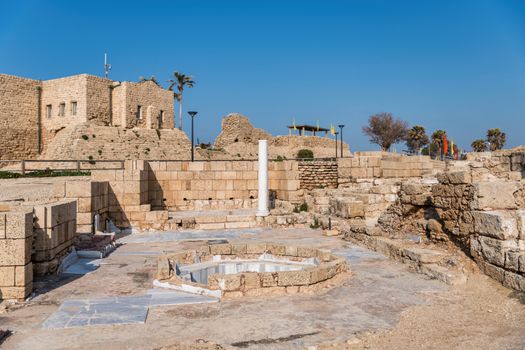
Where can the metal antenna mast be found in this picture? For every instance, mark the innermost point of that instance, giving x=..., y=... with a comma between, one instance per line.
x=107, y=66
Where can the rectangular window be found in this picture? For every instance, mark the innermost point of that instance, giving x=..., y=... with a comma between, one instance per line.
x=161, y=118
x=74, y=108
x=139, y=112
x=62, y=109
x=49, y=111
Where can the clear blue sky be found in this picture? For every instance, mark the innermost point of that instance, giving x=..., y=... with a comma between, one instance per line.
x=457, y=65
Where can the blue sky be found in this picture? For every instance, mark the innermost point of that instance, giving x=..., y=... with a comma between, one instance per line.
x=457, y=65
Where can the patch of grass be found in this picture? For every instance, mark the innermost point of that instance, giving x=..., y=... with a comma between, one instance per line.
x=279, y=159
x=85, y=137
x=43, y=173
x=300, y=208
x=91, y=160
x=99, y=152
x=158, y=133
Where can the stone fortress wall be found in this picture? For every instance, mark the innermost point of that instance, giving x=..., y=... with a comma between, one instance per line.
x=18, y=117
x=52, y=108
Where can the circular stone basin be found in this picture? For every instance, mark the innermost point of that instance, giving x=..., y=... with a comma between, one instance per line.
x=233, y=270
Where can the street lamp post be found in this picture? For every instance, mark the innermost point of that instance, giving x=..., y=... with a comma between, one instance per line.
x=341, y=126
x=192, y=115
x=336, y=133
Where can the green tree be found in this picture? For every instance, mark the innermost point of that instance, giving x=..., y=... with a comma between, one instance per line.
x=180, y=81
x=417, y=138
x=437, y=143
x=479, y=145
x=384, y=130
x=496, y=139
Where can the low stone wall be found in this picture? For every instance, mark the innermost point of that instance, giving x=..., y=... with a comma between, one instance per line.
x=92, y=198
x=385, y=165
x=252, y=283
x=318, y=174
x=55, y=230
x=16, y=269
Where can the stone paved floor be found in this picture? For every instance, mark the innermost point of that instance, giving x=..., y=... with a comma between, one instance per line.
x=372, y=299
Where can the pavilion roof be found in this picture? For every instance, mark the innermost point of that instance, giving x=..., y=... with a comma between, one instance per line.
x=307, y=127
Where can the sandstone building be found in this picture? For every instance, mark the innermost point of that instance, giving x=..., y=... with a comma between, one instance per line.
x=33, y=111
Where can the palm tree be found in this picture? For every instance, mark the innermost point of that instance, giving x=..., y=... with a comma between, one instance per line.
x=417, y=138
x=180, y=81
x=437, y=141
x=479, y=145
x=496, y=139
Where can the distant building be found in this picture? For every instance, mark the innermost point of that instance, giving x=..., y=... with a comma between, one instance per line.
x=32, y=111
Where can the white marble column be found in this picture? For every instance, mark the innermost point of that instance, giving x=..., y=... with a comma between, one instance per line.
x=262, y=207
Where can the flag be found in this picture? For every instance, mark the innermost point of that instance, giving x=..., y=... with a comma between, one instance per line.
x=332, y=129
x=317, y=124
x=294, y=127
x=451, y=147
x=445, y=144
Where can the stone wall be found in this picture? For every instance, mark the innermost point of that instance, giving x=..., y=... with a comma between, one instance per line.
x=317, y=174
x=87, y=141
x=92, y=198
x=181, y=184
x=18, y=117
x=152, y=98
x=385, y=165
x=16, y=269
x=55, y=231
x=97, y=100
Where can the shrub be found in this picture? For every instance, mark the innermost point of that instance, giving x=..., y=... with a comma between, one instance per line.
x=85, y=137
x=305, y=154
x=315, y=224
x=158, y=133
x=279, y=159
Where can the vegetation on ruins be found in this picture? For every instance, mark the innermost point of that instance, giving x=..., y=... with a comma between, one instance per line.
x=152, y=79
x=496, y=139
x=43, y=173
x=180, y=81
x=300, y=208
x=315, y=224
x=305, y=154
x=385, y=131
x=417, y=138
x=479, y=145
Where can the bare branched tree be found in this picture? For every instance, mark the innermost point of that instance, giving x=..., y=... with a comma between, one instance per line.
x=384, y=130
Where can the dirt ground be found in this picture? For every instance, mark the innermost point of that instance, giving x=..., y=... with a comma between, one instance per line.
x=382, y=305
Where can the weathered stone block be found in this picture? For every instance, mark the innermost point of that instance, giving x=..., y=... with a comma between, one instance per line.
x=306, y=252
x=23, y=275
x=496, y=224
x=494, y=250
x=15, y=252
x=268, y=279
x=250, y=281
x=230, y=282
x=256, y=248
x=238, y=249
x=220, y=249
x=293, y=278
x=18, y=225
x=495, y=195
x=163, y=268
x=276, y=249
x=7, y=276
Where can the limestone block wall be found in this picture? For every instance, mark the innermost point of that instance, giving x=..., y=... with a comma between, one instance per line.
x=64, y=90
x=380, y=165
x=318, y=174
x=97, y=100
x=16, y=268
x=18, y=117
x=55, y=231
x=152, y=98
x=128, y=197
x=92, y=198
x=181, y=184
